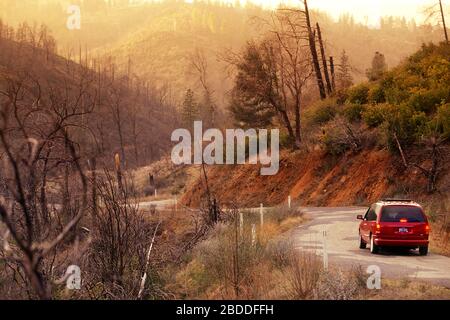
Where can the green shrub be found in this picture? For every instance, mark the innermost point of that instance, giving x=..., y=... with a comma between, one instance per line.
x=341, y=96
x=442, y=120
x=337, y=139
x=322, y=112
x=285, y=140
x=359, y=94
x=428, y=100
x=376, y=94
x=408, y=124
x=354, y=112
x=374, y=115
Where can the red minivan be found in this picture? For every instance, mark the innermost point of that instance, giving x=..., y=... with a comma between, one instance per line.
x=394, y=223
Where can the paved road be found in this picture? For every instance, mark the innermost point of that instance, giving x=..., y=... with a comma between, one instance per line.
x=341, y=228
x=158, y=204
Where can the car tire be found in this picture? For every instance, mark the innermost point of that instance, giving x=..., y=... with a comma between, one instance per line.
x=373, y=247
x=423, y=251
x=362, y=243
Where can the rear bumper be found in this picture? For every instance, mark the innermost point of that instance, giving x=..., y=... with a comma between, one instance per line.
x=400, y=242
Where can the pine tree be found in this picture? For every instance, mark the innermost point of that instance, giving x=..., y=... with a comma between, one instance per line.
x=379, y=67
x=344, y=75
x=190, y=110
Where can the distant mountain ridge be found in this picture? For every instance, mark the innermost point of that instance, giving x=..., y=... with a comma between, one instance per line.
x=159, y=49
x=158, y=38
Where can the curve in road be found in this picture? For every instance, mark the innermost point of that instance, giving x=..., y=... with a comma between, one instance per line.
x=341, y=227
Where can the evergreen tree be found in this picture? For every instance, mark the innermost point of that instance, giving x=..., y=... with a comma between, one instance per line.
x=379, y=67
x=344, y=76
x=249, y=112
x=190, y=109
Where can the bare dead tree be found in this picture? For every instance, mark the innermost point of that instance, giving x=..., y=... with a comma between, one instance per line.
x=115, y=101
x=333, y=74
x=313, y=49
x=117, y=255
x=34, y=129
x=212, y=207
x=304, y=24
x=199, y=64
x=443, y=20
x=285, y=69
x=295, y=68
x=434, y=144
x=435, y=11
x=324, y=59
x=147, y=262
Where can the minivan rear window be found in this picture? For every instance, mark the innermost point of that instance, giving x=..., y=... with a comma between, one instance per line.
x=395, y=213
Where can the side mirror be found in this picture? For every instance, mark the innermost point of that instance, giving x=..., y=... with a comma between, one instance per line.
x=359, y=217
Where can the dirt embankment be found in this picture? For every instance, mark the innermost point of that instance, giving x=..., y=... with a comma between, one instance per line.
x=314, y=179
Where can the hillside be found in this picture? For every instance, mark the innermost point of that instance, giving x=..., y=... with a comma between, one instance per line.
x=155, y=41
x=315, y=179
x=115, y=114
x=160, y=49
x=410, y=104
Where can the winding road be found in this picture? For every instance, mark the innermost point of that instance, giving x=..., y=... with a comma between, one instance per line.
x=341, y=228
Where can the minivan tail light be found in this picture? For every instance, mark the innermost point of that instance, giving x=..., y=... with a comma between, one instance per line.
x=378, y=228
x=427, y=228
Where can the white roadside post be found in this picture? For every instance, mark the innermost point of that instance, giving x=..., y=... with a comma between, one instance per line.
x=289, y=201
x=176, y=203
x=253, y=235
x=156, y=192
x=374, y=280
x=325, y=250
x=261, y=214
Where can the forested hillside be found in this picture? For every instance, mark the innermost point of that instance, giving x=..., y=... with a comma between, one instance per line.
x=63, y=127
x=387, y=137
x=160, y=41
x=109, y=113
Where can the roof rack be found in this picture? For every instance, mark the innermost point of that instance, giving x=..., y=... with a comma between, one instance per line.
x=397, y=200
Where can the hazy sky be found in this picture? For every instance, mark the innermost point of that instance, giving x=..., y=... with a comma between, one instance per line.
x=366, y=10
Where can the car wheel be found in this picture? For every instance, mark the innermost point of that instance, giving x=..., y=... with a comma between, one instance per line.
x=362, y=244
x=423, y=251
x=373, y=247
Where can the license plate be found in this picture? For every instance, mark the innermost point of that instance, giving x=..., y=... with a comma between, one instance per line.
x=403, y=230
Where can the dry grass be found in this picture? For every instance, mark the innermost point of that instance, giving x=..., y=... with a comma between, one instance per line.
x=230, y=265
x=440, y=240
x=169, y=179
x=337, y=284
x=406, y=289
x=270, y=269
x=437, y=210
x=303, y=275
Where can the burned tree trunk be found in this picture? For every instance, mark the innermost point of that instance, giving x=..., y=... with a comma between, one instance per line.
x=333, y=74
x=432, y=173
x=443, y=21
x=324, y=59
x=314, y=55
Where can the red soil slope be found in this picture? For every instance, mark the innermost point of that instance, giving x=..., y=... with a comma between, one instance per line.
x=312, y=179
